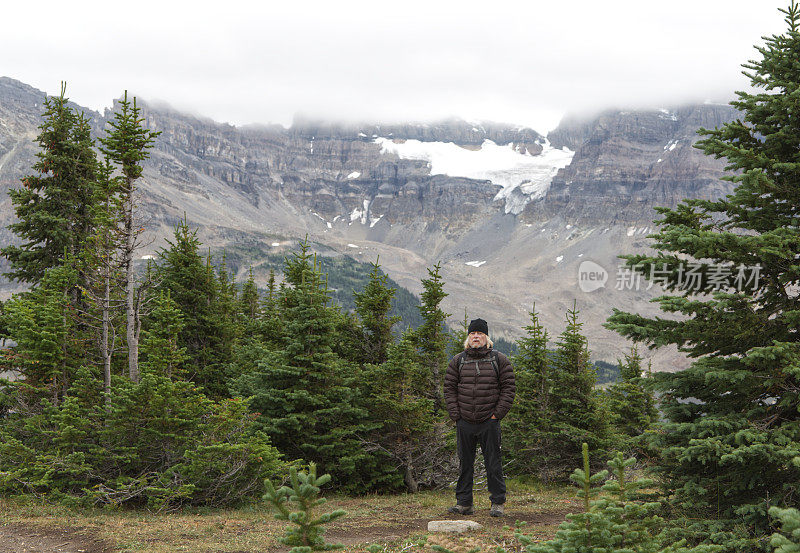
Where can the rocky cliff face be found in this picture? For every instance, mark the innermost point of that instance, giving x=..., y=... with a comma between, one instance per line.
x=336, y=173
x=389, y=190
x=626, y=162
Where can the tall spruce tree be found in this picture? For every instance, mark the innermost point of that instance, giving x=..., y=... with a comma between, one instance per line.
x=431, y=336
x=577, y=414
x=127, y=145
x=54, y=205
x=306, y=396
x=630, y=401
x=100, y=268
x=529, y=426
x=207, y=311
x=732, y=425
x=405, y=429
x=249, y=301
x=372, y=305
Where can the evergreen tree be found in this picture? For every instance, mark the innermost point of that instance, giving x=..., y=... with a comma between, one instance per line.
x=630, y=402
x=621, y=521
x=406, y=430
x=249, y=302
x=53, y=207
x=162, y=444
x=577, y=414
x=732, y=421
x=528, y=427
x=206, y=304
x=225, y=325
x=373, y=305
x=307, y=397
x=161, y=347
x=48, y=351
x=431, y=335
x=127, y=145
x=304, y=494
x=100, y=266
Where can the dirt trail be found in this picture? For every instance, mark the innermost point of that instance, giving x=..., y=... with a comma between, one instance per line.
x=21, y=538
x=400, y=527
x=25, y=538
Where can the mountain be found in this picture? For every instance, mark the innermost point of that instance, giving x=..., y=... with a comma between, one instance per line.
x=510, y=214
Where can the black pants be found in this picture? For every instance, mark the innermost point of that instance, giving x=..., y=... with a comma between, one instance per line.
x=487, y=434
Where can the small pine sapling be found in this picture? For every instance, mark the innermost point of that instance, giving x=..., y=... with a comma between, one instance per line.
x=581, y=532
x=306, y=536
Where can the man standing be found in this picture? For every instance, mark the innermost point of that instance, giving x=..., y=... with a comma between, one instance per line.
x=479, y=390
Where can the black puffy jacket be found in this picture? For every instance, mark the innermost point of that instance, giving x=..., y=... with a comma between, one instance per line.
x=477, y=392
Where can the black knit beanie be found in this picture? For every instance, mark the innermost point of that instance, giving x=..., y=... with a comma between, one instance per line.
x=478, y=325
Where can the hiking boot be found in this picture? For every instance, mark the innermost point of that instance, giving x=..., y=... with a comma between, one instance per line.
x=496, y=510
x=461, y=510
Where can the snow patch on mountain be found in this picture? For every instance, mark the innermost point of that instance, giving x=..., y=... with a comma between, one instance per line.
x=524, y=177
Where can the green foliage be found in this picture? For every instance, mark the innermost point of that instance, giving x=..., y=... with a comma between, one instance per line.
x=306, y=395
x=249, y=301
x=607, y=373
x=577, y=415
x=431, y=336
x=731, y=428
x=307, y=535
x=162, y=444
x=619, y=521
x=207, y=305
x=528, y=426
x=406, y=431
x=630, y=402
x=69, y=430
x=788, y=541
x=503, y=345
x=160, y=345
x=54, y=206
x=345, y=275
x=372, y=305
x=127, y=143
x=42, y=322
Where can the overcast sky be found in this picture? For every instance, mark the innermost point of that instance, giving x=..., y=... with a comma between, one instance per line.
x=518, y=62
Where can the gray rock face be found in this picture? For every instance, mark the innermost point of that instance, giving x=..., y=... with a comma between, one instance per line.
x=327, y=170
x=453, y=526
x=626, y=162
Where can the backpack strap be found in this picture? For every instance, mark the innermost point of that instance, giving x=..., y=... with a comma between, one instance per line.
x=493, y=358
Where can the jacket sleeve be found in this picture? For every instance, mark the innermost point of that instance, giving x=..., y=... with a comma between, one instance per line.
x=451, y=389
x=508, y=387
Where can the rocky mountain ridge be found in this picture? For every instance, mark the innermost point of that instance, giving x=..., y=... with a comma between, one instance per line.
x=348, y=187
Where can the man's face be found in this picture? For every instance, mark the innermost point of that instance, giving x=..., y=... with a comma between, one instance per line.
x=477, y=339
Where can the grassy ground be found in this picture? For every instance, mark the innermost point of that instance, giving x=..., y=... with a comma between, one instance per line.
x=397, y=523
